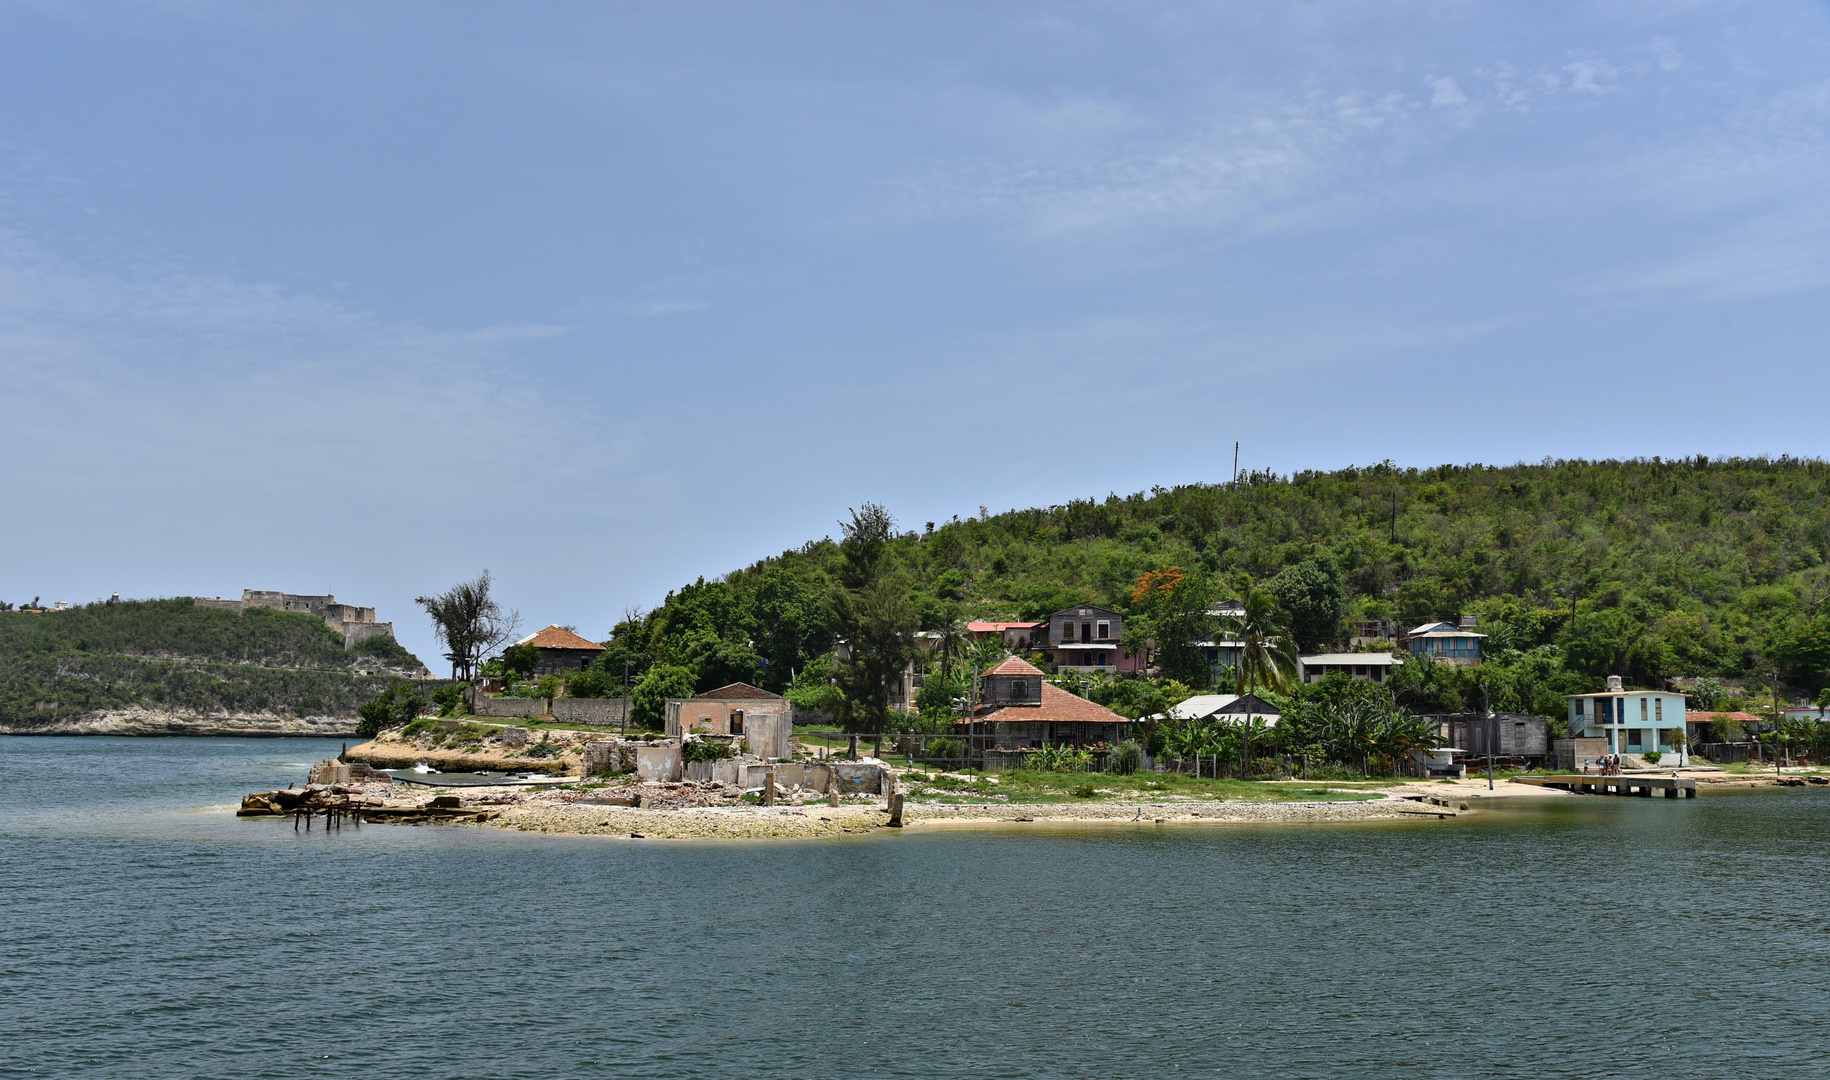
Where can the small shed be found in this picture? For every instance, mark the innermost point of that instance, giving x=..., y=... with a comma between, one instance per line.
x=1514, y=735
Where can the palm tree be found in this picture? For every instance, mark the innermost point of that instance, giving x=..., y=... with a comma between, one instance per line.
x=954, y=644
x=1267, y=655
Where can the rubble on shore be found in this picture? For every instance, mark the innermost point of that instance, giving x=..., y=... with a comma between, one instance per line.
x=373, y=801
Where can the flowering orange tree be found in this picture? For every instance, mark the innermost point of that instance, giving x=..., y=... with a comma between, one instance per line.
x=1170, y=610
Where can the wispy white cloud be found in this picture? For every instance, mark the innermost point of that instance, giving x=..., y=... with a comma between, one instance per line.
x=1445, y=93
x=1592, y=76
x=652, y=308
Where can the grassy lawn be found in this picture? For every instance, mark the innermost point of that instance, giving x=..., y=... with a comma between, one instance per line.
x=1031, y=787
x=1744, y=768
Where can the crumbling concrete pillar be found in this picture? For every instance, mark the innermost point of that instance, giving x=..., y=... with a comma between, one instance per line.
x=768, y=792
x=895, y=811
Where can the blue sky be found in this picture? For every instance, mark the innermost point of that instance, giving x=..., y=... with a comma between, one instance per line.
x=365, y=298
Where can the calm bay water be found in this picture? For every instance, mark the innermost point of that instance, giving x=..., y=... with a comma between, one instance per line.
x=149, y=935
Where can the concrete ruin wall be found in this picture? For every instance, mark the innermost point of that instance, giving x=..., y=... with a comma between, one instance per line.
x=767, y=724
x=598, y=755
x=659, y=761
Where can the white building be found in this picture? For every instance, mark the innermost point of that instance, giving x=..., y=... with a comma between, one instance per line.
x=1373, y=666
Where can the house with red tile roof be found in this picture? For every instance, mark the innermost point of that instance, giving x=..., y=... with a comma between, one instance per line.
x=1022, y=708
x=561, y=650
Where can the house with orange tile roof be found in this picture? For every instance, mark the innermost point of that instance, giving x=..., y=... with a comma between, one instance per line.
x=1022, y=708
x=561, y=650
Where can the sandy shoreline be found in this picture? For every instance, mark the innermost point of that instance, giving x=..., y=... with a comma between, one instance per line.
x=585, y=818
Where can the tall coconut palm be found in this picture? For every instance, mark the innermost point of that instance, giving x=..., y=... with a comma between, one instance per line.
x=1267, y=655
x=953, y=645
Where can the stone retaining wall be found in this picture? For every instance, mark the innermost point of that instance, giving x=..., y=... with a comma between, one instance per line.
x=607, y=712
x=483, y=705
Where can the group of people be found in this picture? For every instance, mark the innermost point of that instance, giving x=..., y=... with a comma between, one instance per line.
x=1606, y=765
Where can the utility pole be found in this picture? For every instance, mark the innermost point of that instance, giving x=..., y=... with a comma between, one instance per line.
x=1492, y=732
x=626, y=701
x=1235, y=464
x=1776, y=715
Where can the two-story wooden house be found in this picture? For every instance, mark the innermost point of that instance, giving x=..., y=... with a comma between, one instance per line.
x=1088, y=638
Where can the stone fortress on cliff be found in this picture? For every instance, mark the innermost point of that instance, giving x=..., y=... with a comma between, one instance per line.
x=354, y=623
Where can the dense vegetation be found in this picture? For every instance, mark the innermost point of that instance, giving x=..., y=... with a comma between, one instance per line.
x=173, y=655
x=1654, y=570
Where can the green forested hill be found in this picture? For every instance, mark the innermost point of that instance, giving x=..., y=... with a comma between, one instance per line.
x=170, y=655
x=1650, y=569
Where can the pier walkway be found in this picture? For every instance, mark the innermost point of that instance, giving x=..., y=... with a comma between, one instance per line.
x=1674, y=787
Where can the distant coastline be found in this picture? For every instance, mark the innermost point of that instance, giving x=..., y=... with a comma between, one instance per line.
x=153, y=722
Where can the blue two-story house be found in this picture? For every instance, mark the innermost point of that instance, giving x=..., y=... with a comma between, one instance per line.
x=1446, y=642
x=1632, y=721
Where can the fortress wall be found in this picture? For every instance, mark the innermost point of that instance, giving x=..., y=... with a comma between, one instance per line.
x=353, y=622
x=362, y=631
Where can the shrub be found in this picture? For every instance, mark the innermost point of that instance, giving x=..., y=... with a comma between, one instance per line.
x=1060, y=759
x=1125, y=758
x=422, y=726
x=594, y=682
x=663, y=681
x=450, y=700
x=521, y=659
x=705, y=750
x=395, y=706
x=1084, y=791
x=1651, y=757
x=946, y=748
x=386, y=649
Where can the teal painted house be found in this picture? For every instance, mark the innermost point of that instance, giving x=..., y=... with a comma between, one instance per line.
x=1632, y=721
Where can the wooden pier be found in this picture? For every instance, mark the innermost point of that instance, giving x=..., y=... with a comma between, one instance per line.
x=1674, y=787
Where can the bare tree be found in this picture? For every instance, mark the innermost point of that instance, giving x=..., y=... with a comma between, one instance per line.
x=469, y=623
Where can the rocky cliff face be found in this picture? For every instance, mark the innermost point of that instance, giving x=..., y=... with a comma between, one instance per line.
x=139, y=721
